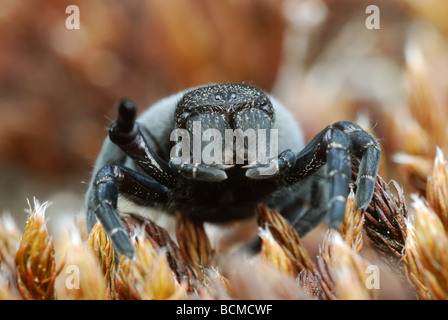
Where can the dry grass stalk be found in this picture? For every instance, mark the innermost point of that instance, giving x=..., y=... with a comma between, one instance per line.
x=7, y=290
x=426, y=253
x=218, y=286
x=282, y=248
x=286, y=237
x=325, y=273
x=421, y=127
x=412, y=266
x=124, y=291
x=310, y=283
x=416, y=167
x=147, y=276
x=194, y=244
x=102, y=247
x=82, y=278
x=342, y=270
x=437, y=189
x=423, y=101
x=195, y=247
x=35, y=261
x=351, y=228
x=9, y=239
x=385, y=221
x=160, y=239
x=275, y=254
x=258, y=279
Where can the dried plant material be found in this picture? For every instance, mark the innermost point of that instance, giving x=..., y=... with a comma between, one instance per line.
x=437, y=189
x=102, y=247
x=79, y=222
x=385, y=220
x=347, y=269
x=122, y=287
x=213, y=287
x=218, y=286
x=272, y=252
x=147, y=276
x=326, y=280
x=160, y=239
x=434, y=11
x=7, y=291
x=426, y=253
x=351, y=228
x=82, y=278
x=10, y=237
x=258, y=279
x=417, y=167
x=139, y=264
x=310, y=284
x=286, y=237
x=423, y=102
x=412, y=266
x=194, y=244
x=35, y=262
x=421, y=126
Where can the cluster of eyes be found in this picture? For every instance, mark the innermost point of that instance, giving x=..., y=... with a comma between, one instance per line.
x=218, y=97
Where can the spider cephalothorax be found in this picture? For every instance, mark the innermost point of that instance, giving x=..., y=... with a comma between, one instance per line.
x=211, y=153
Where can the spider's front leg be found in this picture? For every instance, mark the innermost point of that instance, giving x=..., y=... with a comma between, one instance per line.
x=125, y=133
x=111, y=181
x=199, y=171
x=334, y=147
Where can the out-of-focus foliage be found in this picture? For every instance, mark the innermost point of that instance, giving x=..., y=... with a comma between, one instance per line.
x=57, y=85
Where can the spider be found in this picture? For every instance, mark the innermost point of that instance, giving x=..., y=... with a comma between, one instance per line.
x=139, y=164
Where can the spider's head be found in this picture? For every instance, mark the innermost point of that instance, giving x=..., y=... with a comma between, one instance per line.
x=223, y=109
x=225, y=106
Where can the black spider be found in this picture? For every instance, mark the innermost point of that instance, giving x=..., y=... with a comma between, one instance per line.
x=139, y=162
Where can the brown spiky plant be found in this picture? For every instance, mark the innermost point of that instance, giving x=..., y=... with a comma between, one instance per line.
x=426, y=249
x=82, y=278
x=147, y=276
x=414, y=242
x=102, y=247
x=35, y=262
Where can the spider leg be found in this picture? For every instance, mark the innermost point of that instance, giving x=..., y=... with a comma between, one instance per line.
x=339, y=169
x=333, y=146
x=365, y=147
x=199, y=171
x=102, y=205
x=125, y=133
x=310, y=207
x=305, y=206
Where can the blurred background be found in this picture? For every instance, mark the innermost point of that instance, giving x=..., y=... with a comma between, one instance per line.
x=59, y=87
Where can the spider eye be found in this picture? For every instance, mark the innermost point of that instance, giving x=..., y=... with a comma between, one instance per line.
x=218, y=97
x=233, y=96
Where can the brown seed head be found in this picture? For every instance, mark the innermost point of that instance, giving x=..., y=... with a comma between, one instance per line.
x=102, y=247
x=35, y=262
